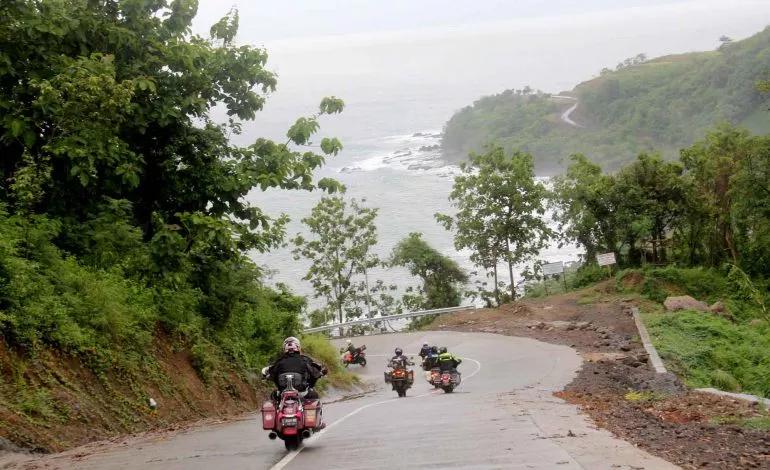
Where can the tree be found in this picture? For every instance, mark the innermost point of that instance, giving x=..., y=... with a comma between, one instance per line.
x=111, y=101
x=711, y=165
x=441, y=276
x=500, y=208
x=652, y=197
x=340, y=254
x=584, y=207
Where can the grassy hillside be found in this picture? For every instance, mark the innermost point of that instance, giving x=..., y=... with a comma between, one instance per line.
x=662, y=104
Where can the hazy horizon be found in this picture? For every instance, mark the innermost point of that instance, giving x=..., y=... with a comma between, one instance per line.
x=398, y=79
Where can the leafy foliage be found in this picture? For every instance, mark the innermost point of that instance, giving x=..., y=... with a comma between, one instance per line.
x=706, y=210
x=441, y=276
x=340, y=254
x=500, y=209
x=123, y=202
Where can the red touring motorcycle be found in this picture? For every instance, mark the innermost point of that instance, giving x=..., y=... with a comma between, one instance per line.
x=294, y=418
x=358, y=358
x=444, y=379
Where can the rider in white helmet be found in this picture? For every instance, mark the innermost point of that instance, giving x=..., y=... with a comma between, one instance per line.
x=292, y=360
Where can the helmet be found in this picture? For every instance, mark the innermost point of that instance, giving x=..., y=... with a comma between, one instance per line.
x=424, y=345
x=291, y=344
x=442, y=350
x=399, y=351
x=434, y=349
x=349, y=341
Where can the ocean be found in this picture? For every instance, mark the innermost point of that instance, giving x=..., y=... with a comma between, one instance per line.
x=401, y=87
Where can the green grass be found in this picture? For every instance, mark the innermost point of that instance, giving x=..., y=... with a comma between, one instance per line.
x=760, y=423
x=319, y=348
x=644, y=396
x=709, y=351
x=705, y=284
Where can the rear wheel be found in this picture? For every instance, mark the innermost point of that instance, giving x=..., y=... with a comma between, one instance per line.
x=292, y=442
x=401, y=392
x=448, y=389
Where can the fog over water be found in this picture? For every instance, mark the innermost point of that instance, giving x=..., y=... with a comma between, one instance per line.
x=397, y=83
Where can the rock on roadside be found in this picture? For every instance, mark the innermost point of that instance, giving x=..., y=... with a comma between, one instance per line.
x=684, y=302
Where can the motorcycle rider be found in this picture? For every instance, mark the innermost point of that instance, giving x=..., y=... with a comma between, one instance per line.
x=430, y=360
x=396, y=362
x=399, y=360
x=447, y=361
x=292, y=360
x=354, y=351
x=424, y=351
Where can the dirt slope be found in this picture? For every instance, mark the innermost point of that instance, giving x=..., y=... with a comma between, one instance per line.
x=52, y=402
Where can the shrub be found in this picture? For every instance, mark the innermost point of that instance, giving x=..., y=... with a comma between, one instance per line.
x=319, y=348
x=588, y=274
x=725, y=381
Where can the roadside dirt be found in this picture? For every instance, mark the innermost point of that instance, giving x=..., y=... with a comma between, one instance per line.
x=51, y=402
x=616, y=386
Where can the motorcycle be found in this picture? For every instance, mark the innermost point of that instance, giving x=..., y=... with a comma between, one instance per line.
x=449, y=380
x=434, y=377
x=401, y=379
x=428, y=362
x=358, y=358
x=295, y=418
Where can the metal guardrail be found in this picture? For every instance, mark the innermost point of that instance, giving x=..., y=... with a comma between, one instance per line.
x=363, y=321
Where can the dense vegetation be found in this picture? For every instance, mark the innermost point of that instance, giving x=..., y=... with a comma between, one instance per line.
x=708, y=209
x=665, y=104
x=123, y=218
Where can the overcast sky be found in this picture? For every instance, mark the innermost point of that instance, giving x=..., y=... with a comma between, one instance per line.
x=270, y=20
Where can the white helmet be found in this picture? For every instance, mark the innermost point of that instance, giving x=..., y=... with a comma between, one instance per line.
x=291, y=344
x=349, y=342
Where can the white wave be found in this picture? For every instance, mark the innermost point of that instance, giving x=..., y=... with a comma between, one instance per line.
x=419, y=152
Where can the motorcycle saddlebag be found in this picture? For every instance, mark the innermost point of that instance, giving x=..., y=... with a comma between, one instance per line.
x=268, y=415
x=311, y=413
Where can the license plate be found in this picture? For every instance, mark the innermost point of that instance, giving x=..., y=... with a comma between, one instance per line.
x=289, y=421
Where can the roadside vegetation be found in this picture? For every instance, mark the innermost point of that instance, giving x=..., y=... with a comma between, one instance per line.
x=727, y=349
x=124, y=226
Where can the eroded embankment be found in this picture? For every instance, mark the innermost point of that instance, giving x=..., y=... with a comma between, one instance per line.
x=50, y=401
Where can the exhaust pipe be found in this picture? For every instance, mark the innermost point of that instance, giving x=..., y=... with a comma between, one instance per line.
x=272, y=436
x=306, y=433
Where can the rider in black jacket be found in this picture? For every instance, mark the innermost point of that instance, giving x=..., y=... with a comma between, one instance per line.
x=294, y=361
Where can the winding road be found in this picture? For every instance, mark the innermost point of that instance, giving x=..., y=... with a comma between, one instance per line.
x=503, y=415
x=565, y=116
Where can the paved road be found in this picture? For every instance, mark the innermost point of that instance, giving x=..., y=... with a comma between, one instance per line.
x=502, y=416
x=565, y=116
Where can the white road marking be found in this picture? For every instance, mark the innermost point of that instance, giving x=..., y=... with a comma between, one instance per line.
x=478, y=367
x=286, y=460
